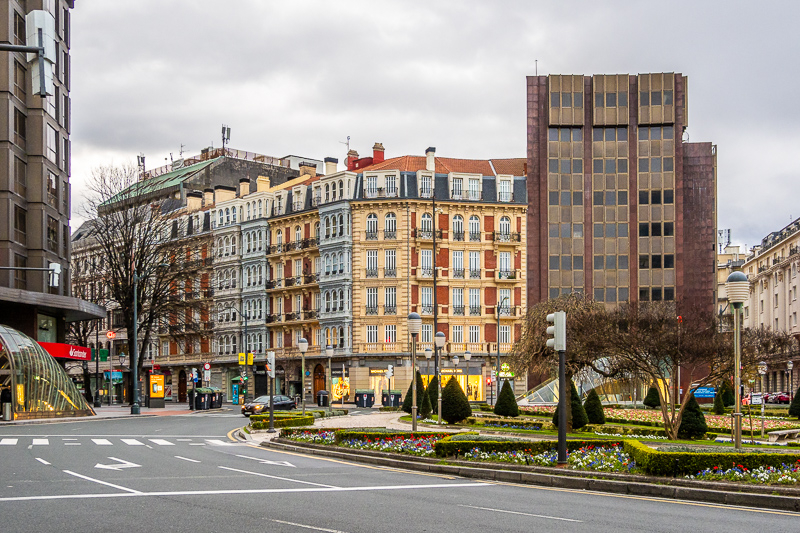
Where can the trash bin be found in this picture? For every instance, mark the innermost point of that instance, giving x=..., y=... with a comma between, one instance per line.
x=363, y=397
x=217, y=397
x=7, y=416
x=191, y=399
x=202, y=400
x=394, y=398
x=322, y=398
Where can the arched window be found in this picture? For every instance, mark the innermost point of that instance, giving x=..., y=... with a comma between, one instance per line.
x=474, y=226
x=221, y=219
x=327, y=302
x=389, y=224
x=279, y=237
x=458, y=224
x=316, y=230
x=333, y=190
x=233, y=245
x=227, y=245
x=427, y=222
x=327, y=227
x=341, y=189
x=341, y=225
x=227, y=215
x=327, y=265
x=234, y=214
x=341, y=300
x=259, y=208
x=248, y=210
x=327, y=193
x=298, y=234
x=335, y=300
x=372, y=223
x=505, y=226
x=341, y=337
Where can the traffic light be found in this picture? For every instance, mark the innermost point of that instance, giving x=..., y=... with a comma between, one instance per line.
x=558, y=330
x=489, y=380
x=271, y=364
x=390, y=371
x=195, y=374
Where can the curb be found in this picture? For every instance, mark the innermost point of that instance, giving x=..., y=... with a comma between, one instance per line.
x=558, y=480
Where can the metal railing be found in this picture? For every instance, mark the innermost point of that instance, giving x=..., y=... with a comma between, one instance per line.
x=372, y=235
x=389, y=309
x=389, y=234
x=507, y=274
x=372, y=273
x=458, y=273
x=426, y=309
x=458, y=236
x=389, y=272
x=426, y=272
x=458, y=310
x=371, y=310
x=474, y=310
x=474, y=236
x=474, y=273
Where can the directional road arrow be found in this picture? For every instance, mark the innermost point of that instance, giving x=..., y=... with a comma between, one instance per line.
x=124, y=464
x=267, y=461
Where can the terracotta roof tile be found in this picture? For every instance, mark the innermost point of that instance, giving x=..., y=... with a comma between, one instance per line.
x=517, y=166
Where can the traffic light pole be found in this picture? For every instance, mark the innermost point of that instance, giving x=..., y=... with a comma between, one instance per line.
x=562, y=408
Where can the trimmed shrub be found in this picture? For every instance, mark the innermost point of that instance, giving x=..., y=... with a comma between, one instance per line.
x=579, y=418
x=652, y=400
x=719, y=405
x=794, y=408
x=433, y=394
x=381, y=433
x=693, y=422
x=455, y=406
x=728, y=395
x=281, y=422
x=425, y=409
x=594, y=408
x=409, y=395
x=506, y=402
x=449, y=447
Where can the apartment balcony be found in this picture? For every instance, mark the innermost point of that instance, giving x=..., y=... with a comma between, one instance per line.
x=474, y=236
x=472, y=347
x=474, y=310
x=274, y=318
x=474, y=273
x=371, y=273
x=288, y=317
x=371, y=310
x=293, y=281
x=458, y=310
x=507, y=275
x=311, y=242
x=425, y=234
x=372, y=235
x=425, y=272
x=509, y=311
x=381, y=192
x=389, y=272
x=426, y=192
x=505, y=197
x=383, y=347
x=297, y=206
x=208, y=326
x=310, y=278
x=458, y=236
x=426, y=309
x=312, y=314
x=389, y=309
x=500, y=236
x=389, y=235
x=275, y=249
x=316, y=200
x=458, y=273
x=274, y=284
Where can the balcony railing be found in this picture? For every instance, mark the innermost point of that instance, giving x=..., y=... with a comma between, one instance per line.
x=426, y=309
x=457, y=194
x=474, y=273
x=506, y=274
x=505, y=197
x=474, y=310
x=473, y=195
x=426, y=192
x=311, y=242
x=501, y=236
x=389, y=234
x=474, y=236
x=310, y=278
x=427, y=234
x=389, y=309
x=458, y=273
x=274, y=284
x=372, y=235
x=294, y=281
x=389, y=272
x=292, y=316
x=372, y=273
x=275, y=249
x=297, y=206
x=458, y=310
x=426, y=272
x=316, y=200
x=274, y=318
x=312, y=314
x=458, y=236
x=371, y=310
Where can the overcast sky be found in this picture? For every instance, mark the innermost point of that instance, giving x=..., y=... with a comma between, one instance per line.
x=299, y=77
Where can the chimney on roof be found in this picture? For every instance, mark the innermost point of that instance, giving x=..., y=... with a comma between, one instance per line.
x=308, y=169
x=223, y=193
x=352, y=156
x=331, y=165
x=244, y=187
x=262, y=183
x=194, y=201
x=208, y=196
x=430, y=161
x=377, y=153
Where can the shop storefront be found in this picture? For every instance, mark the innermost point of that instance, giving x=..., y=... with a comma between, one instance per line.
x=470, y=379
x=378, y=381
x=341, y=384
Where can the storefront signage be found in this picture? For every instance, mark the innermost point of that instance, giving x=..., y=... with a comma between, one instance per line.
x=448, y=371
x=67, y=351
x=377, y=371
x=505, y=372
x=116, y=376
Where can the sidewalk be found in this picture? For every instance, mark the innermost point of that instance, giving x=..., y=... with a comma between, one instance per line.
x=123, y=411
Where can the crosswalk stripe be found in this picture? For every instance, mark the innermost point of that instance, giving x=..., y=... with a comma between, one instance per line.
x=41, y=442
x=102, y=442
x=162, y=442
x=132, y=442
x=8, y=442
x=218, y=442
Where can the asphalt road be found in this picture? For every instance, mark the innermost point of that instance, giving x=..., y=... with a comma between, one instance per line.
x=182, y=473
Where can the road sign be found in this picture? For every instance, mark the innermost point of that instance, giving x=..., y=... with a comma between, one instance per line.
x=207, y=366
x=206, y=375
x=110, y=334
x=704, y=392
x=756, y=399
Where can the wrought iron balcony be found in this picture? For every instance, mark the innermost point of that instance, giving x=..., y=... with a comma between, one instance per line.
x=473, y=195
x=458, y=310
x=474, y=236
x=474, y=273
x=474, y=310
x=458, y=273
x=458, y=236
x=426, y=309
x=505, y=197
x=389, y=234
x=372, y=273
x=311, y=278
x=371, y=310
x=372, y=235
x=426, y=272
x=312, y=314
x=389, y=309
x=507, y=274
x=389, y=272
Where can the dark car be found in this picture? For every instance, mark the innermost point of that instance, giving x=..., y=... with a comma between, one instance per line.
x=261, y=405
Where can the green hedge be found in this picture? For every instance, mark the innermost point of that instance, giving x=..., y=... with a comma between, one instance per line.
x=381, y=433
x=448, y=447
x=281, y=422
x=658, y=463
x=622, y=430
x=482, y=421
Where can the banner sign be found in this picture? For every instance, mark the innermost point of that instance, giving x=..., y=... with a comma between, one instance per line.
x=157, y=386
x=116, y=376
x=704, y=392
x=67, y=351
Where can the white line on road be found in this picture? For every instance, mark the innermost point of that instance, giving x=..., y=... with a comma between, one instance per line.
x=218, y=442
x=8, y=442
x=162, y=442
x=40, y=442
x=216, y=492
x=102, y=442
x=133, y=442
x=42, y=461
x=308, y=527
x=520, y=513
x=72, y=444
x=87, y=478
x=187, y=459
x=278, y=477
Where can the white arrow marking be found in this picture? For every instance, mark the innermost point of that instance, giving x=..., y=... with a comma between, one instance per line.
x=125, y=464
x=267, y=461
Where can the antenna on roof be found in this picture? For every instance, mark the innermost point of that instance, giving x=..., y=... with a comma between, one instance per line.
x=182, y=147
x=170, y=157
x=536, y=67
x=140, y=164
x=346, y=142
x=226, y=137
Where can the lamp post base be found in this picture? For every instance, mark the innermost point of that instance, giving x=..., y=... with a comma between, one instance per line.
x=97, y=402
x=413, y=418
x=135, y=409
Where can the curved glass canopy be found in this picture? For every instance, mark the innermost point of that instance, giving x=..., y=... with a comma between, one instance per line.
x=37, y=385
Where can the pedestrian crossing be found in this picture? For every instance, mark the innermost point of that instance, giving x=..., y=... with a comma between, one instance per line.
x=72, y=441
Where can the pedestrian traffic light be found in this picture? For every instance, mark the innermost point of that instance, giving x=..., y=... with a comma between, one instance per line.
x=390, y=371
x=488, y=380
x=271, y=364
x=558, y=330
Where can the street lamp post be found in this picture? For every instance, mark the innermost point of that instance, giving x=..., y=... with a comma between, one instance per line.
x=491, y=387
x=302, y=345
x=738, y=289
x=438, y=343
x=762, y=369
x=789, y=367
x=329, y=353
x=467, y=357
x=414, y=325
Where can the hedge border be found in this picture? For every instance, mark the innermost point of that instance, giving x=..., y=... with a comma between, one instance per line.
x=282, y=422
x=450, y=448
x=349, y=434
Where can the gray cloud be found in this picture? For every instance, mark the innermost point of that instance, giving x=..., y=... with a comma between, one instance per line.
x=299, y=77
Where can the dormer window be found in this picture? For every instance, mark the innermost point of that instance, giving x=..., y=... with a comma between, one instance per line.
x=458, y=189
x=391, y=185
x=425, y=187
x=372, y=187
x=504, y=191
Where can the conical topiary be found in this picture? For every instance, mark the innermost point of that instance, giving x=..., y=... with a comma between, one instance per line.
x=455, y=406
x=579, y=418
x=594, y=408
x=423, y=400
x=719, y=405
x=693, y=422
x=409, y=399
x=794, y=408
x=433, y=394
x=506, y=402
x=652, y=400
x=728, y=395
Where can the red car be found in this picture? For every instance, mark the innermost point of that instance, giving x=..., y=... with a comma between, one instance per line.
x=781, y=397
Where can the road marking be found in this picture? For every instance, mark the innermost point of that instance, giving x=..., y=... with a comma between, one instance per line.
x=187, y=459
x=42, y=461
x=123, y=464
x=520, y=513
x=162, y=442
x=72, y=444
x=8, y=442
x=218, y=442
x=87, y=478
x=267, y=461
x=41, y=442
x=308, y=527
x=197, y=444
x=278, y=477
x=647, y=499
x=102, y=442
x=217, y=492
x=133, y=442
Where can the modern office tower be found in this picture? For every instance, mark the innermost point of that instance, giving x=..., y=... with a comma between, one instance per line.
x=621, y=205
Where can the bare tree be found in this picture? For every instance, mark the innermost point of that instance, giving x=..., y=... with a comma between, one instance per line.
x=135, y=233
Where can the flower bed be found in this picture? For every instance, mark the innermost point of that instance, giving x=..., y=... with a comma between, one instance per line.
x=596, y=458
x=782, y=475
x=414, y=445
